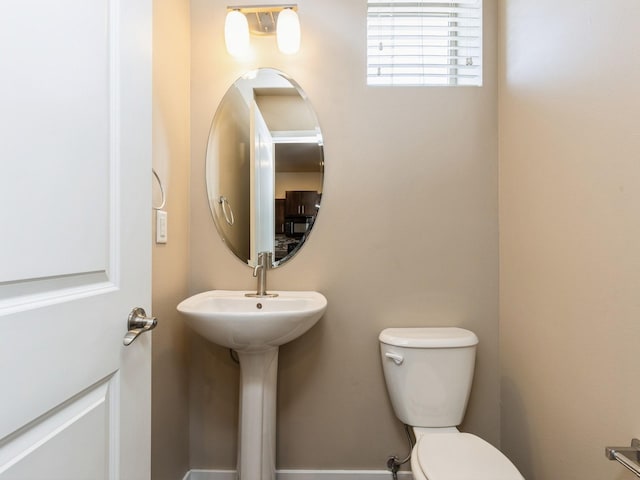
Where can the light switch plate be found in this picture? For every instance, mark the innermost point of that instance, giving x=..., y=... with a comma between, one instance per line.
x=161, y=226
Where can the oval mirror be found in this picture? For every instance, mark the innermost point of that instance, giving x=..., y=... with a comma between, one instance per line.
x=264, y=167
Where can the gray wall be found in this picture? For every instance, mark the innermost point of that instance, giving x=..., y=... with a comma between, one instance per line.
x=569, y=234
x=169, y=410
x=407, y=236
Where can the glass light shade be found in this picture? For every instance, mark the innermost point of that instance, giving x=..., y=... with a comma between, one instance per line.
x=236, y=33
x=288, y=31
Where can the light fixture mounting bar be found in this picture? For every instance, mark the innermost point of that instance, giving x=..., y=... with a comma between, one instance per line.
x=263, y=8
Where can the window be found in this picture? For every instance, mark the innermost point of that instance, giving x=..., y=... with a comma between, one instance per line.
x=424, y=42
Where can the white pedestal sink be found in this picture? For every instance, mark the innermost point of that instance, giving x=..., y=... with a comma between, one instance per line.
x=254, y=328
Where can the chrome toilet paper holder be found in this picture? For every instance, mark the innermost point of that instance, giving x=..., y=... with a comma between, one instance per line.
x=627, y=456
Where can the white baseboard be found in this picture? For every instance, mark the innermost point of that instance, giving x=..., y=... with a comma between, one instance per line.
x=302, y=475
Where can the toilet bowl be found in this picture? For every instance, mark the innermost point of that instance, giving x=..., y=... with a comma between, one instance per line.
x=459, y=456
x=428, y=372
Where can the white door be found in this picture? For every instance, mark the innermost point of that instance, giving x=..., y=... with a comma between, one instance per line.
x=263, y=178
x=75, y=176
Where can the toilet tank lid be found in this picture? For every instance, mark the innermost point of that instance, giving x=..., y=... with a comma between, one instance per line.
x=428, y=337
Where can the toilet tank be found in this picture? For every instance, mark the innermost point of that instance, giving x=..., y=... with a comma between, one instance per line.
x=428, y=372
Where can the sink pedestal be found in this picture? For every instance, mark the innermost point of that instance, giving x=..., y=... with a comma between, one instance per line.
x=254, y=328
x=257, y=425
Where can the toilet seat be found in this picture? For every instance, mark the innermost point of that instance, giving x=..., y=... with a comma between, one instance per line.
x=459, y=456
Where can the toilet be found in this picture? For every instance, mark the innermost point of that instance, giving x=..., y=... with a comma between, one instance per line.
x=428, y=372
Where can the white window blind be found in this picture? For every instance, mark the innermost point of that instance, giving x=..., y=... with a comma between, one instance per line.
x=424, y=42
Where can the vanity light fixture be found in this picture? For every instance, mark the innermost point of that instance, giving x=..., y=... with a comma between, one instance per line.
x=280, y=20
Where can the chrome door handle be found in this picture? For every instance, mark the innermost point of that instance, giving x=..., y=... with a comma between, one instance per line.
x=138, y=323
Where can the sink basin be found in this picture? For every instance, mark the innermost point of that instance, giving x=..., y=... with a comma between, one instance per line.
x=230, y=319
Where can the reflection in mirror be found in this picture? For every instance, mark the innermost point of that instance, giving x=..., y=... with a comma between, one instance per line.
x=264, y=167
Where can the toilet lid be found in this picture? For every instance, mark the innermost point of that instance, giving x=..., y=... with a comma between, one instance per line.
x=462, y=456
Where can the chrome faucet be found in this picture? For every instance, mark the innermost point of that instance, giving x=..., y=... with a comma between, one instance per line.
x=260, y=272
